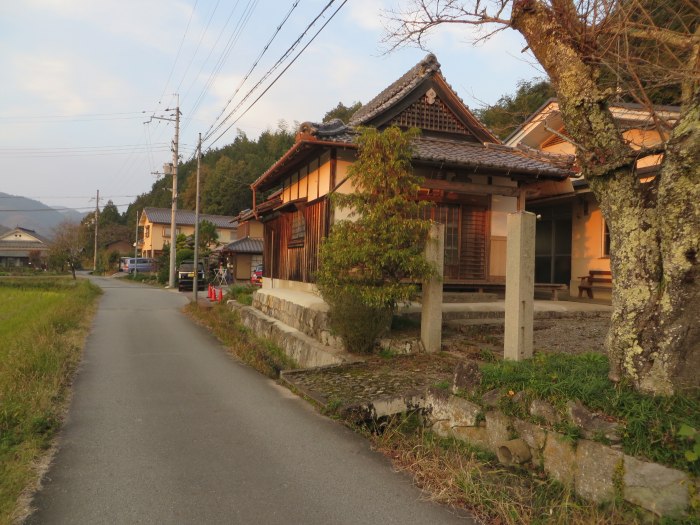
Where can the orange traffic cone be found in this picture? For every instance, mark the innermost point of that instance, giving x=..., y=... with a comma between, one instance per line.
x=209, y=292
x=221, y=294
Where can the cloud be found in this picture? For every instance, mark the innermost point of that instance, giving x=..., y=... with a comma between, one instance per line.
x=158, y=24
x=58, y=84
x=366, y=13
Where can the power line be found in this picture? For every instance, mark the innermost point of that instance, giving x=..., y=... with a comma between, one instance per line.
x=255, y=63
x=97, y=116
x=278, y=76
x=77, y=148
x=57, y=209
x=179, y=49
x=108, y=197
x=223, y=28
x=269, y=72
x=232, y=41
x=201, y=37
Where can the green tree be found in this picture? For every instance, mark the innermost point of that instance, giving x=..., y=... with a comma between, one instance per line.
x=643, y=46
x=512, y=110
x=110, y=215
x=342, y=112
x=207, y=237
x=366, y=261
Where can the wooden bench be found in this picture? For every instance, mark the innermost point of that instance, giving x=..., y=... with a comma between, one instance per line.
x=552, y=288
x=595, y=279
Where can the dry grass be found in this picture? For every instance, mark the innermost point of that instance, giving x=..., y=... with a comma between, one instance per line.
x=453, y=473
x=225, y=324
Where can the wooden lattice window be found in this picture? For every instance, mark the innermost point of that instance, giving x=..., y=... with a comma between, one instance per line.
x=447, y=214
x=434, y=116
x=298, y=233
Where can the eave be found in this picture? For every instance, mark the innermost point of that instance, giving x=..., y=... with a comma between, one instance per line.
x=295, y=154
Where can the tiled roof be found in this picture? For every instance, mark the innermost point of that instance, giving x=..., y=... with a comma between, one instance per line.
x=396, y=91
x=187, y=217
x=246, y=245
x=19, y=248
x=334, y=131
x=475, y=155
x=7, y=234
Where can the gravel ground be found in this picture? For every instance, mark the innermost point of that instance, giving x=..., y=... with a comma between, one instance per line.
x=573, y=335
x=480, y=339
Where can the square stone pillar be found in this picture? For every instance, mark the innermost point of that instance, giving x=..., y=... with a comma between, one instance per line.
x=520, y=286
x=431, y=311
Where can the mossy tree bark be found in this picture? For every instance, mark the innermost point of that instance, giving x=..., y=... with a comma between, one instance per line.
x=654, y=339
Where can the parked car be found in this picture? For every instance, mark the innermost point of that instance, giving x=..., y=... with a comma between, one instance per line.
x=256, y=276
x=185, y=276
x=138, y=264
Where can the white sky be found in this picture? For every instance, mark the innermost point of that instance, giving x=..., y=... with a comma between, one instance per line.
x=80, y=77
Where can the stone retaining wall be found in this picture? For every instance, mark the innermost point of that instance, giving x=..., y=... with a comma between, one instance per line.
x=595, y=471
x=306, y=351
x=311, y=320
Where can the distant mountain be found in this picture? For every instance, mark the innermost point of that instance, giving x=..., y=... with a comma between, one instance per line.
x=33, y=215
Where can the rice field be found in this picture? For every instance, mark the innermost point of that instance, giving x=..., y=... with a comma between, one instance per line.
x=43, y=323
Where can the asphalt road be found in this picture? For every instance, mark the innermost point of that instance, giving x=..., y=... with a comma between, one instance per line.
x=165, y=427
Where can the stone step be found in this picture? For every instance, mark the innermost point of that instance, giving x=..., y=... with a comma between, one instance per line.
x=305, y=350
x=308, y=315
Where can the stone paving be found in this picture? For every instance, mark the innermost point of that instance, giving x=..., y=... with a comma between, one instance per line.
x=400, y=376
x=375, y=378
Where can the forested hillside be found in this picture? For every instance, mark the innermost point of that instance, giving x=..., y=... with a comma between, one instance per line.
x=225, y=176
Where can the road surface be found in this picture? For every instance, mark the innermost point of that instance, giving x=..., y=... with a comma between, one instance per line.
x=165, y=427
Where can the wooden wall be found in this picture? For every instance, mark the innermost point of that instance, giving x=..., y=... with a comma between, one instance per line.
x=295, y=263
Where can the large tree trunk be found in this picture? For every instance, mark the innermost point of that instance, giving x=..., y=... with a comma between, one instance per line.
x=654, y=339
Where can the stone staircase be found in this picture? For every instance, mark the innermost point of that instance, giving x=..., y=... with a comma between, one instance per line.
x=297, y=322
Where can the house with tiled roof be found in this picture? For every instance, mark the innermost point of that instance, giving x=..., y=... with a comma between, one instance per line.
x=22, y=247
x=245, y=253
x=155, y=224
x=473, y=179
x=572, y=238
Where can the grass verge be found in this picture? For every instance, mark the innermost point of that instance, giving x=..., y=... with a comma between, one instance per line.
x=242, y=293
x=454, y=473
x=225, y=324
x=142, y=277
x=43, y=324
x=651, y=424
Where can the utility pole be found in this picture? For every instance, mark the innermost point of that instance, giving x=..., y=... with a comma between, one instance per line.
x=97, y=215
x=172, y=169
x=173, y=235
x=136, y=236
x=195, y=282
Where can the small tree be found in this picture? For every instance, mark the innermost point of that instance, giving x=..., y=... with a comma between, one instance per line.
x=68, y=245
x=366, y=263
x=207, y=237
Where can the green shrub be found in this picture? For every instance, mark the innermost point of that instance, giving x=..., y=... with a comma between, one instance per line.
x=358, y=325
x=366, y=262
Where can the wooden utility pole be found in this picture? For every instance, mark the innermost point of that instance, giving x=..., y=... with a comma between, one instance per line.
x=136, y=236
x=97, y=216
x=195, y=281
x=173, y=225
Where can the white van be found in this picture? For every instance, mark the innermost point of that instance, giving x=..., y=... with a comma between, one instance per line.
x=139, y=264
